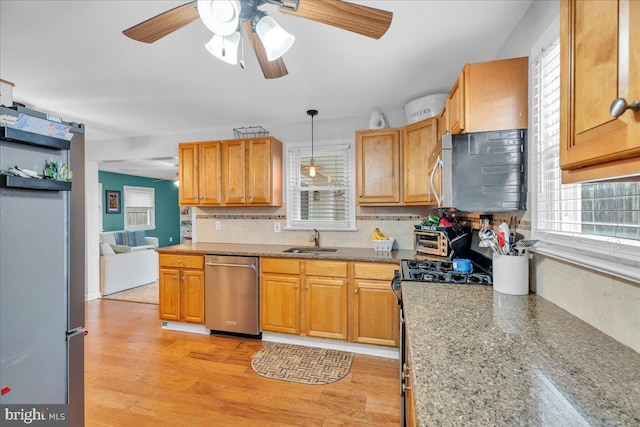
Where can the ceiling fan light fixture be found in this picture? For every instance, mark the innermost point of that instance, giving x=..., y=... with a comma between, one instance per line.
x=220, y=16
x=224, y=48
x=275, y=39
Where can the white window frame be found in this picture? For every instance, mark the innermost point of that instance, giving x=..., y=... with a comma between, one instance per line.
x=150, y=193
x=292, y=152
x=615, y=256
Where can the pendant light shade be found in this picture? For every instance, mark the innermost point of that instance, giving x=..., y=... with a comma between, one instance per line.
x=312, y=169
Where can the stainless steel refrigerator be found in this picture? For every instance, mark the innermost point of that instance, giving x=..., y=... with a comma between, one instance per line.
x=42, y=269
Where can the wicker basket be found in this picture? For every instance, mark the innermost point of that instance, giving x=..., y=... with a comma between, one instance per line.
x=383, y=245
x=250, y=132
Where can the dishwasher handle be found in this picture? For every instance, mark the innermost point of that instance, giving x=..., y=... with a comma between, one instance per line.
x=221, y=264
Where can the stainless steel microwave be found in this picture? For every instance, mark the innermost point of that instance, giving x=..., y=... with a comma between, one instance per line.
x=431, y=242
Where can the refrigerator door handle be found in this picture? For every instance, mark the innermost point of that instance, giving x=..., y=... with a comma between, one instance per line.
x=74, y=332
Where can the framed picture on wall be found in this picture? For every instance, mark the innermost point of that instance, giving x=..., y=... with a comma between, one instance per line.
x=112, y=201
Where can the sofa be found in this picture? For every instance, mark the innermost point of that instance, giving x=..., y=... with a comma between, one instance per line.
x=127, y=260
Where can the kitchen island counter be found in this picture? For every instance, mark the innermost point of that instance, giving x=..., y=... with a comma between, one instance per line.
x=342, y=254
x=479, y=357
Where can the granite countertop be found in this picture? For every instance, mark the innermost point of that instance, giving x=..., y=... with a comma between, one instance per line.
x=342, y=254
x=479, y=357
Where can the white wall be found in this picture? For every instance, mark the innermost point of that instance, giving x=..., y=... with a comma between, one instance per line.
x=92, y=224
x=609, y=304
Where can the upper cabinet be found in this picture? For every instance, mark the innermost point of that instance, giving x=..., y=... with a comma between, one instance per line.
x=231, y=173
x=419, y=149
x=378, y=167
x=600, y=62
x=489, y=96
x=393, y=165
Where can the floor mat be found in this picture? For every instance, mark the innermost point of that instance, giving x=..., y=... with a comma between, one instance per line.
x=147, y=294
x=307, y=365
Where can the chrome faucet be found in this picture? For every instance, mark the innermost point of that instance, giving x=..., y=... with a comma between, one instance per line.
x=315, y=238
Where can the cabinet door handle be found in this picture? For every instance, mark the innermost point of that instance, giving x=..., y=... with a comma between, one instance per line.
x=175, y=277
x=184, y=277
x=619, y=106
x=355, y=291
x=295, y=287
x=306, y=287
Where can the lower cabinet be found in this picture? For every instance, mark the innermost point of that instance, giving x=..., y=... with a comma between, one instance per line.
x=311, y=298
x=181, y=287
x=407, y=388
x=325, y=295
x=280, y=303
x=375, y=310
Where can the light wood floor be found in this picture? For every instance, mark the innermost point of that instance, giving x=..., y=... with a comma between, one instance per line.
x=139, y=375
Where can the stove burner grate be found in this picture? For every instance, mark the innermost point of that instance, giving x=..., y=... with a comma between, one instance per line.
x=440, y=272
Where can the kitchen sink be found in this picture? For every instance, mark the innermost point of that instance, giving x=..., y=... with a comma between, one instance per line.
x=309, y=250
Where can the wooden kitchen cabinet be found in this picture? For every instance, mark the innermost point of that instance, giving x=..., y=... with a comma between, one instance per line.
x=593, y=144
x=280, y=303
x=420, y=150
x=264, y=172
x=454, y=106
x=309, y=293
x=407, y=388
x=188, y=174
x=234, y=172
x=375, y=311
x=199, y=173
x=378, y=171
x=231, y=173
x=252, y=172
x=489, y=96
x=325, y=296
x=181, y=287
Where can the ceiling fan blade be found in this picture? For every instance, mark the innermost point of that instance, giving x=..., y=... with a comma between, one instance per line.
x=356, y=18
x=270, y=69
x=163, y=24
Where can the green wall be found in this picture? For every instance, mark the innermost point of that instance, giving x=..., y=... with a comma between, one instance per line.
x=167, y=209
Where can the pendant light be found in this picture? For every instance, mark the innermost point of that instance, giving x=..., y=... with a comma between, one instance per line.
x=312, y=168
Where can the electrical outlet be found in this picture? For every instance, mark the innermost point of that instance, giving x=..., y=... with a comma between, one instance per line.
x=276, y=227
x=170, y=239
x=218, y=225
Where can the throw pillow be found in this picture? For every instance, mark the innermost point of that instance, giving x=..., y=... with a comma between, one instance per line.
x=106, y=249
x=139, y=238
x=120, y=249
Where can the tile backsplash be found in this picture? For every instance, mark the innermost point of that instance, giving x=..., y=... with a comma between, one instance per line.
x=607, y=303
x=259, y=229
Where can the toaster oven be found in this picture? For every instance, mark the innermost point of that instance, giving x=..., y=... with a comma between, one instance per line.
x=430, y=242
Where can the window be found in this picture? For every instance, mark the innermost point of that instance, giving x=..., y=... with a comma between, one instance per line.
x=599, y=217
x=326, y=200
x=139, y=208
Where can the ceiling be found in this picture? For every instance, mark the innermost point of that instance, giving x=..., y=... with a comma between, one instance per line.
x=70, y=58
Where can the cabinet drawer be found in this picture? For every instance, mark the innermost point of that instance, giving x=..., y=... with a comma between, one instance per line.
x=369, y=270
x=182, y=261
x=280, y=265
x=326, y=268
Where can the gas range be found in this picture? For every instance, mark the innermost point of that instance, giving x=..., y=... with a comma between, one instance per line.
x=414, y=270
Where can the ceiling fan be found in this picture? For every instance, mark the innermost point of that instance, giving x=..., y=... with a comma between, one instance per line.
x=227, y=19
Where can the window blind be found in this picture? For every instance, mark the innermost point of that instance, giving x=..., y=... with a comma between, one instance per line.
x=139, y=208
x=322, y=201
x=601, y=209
x=139, y=197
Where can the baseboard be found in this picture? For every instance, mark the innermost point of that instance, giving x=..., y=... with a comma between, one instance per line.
x=92, y=296
x=185, y=327
x=370, y=350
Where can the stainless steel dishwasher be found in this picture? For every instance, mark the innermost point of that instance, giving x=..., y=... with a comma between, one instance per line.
x=232, y=294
